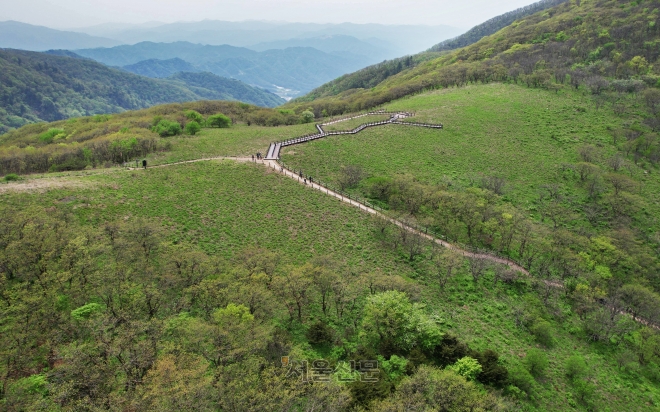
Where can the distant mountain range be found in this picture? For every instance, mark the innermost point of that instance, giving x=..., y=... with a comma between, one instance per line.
x=288, y=72
x=396, y=40
x=332, y=43
x=15, y=35
x=46, y=87
x=289, y=59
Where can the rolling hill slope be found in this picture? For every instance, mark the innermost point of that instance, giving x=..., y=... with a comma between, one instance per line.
x=36, y=87
x=536, y=35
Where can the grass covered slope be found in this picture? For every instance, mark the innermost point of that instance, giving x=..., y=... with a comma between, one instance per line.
x=43, y=87
x=223, y=207
x=522, y=134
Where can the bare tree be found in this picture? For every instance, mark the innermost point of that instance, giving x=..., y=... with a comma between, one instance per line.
x=585, y=170
x=478, y=267
x=495, y=184
x=350, y=176
x=411, y=242
x=587, y=153
x=446, y=263
x=616, y=162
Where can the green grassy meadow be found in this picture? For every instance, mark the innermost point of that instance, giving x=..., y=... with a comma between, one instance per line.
x=524, y=135
x=352, y=124
x=225, y=207
x=239, y=140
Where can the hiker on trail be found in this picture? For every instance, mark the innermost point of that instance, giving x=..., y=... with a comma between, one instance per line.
x=144, y=164
x=253, y=158
x=300, y=174
x=305, y=181
x=311, y=180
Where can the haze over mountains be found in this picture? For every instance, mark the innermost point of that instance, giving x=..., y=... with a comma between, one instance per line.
x=287, y=72
x=289, y=59
x=397, y=40
x=17, y=35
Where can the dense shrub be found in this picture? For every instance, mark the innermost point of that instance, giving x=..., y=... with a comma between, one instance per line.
x=194, y=115
x=192, y=128
x=536, y=362
x=576, y=367
x=50, y=135
x=467, y=367
x=218, y=120
x=319, y=333
x=167, y=128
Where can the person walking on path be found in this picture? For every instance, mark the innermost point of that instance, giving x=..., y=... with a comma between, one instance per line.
x=144, y=164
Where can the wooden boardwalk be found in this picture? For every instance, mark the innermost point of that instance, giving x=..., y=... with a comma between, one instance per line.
x=395, y=118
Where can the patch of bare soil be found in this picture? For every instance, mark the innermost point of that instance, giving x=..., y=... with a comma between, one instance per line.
x=42, y=185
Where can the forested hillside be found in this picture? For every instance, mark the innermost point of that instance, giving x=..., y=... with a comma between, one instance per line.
x=160, y=68
x=373, y=75
x=36, y=87
x=493, y=25
x=590, y=44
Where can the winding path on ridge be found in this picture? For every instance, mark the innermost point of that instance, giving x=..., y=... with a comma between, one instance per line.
x=271, y=161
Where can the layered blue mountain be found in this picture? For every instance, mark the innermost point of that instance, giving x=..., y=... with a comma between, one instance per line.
x=288, y=72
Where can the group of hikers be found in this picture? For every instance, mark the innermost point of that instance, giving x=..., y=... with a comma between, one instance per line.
x=137, y=163
x=259, y=156
x=302, y=176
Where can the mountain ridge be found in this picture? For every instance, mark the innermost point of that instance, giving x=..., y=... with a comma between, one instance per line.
x=43, y=87
x=17, y=35
x=297, y=69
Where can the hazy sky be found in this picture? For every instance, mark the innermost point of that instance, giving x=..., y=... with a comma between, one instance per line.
x=80, y=13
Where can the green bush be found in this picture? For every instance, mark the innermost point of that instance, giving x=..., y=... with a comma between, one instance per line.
x=536, y=362
x=522, y=379
x=467, y=367
x=576, y=367
x=492, y=372
x=192, y=128
x=395, y=367
x=167, y=128
x=194, y=115
x=51, y=134
x=307, y=117
x=219, y=120
x=69, y=164
x=320, y=333
x=542, y=331
x=84, y=312
x=33, y=384
x=11, y=177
